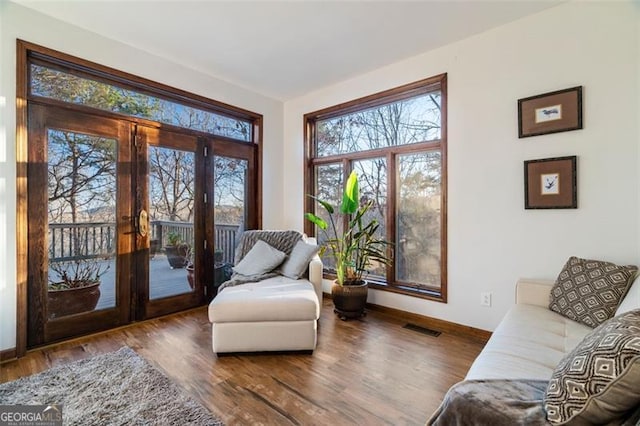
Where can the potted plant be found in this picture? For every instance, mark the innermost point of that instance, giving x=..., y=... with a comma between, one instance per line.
x=176, y=250
x=353, y=250
x=74, y=286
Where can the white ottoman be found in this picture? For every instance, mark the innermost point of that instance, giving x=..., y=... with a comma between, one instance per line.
x=277, y=314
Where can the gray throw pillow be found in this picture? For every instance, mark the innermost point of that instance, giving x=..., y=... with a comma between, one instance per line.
x=298, y=261
x=599, y=380
x=262, y=258
x=589, y=291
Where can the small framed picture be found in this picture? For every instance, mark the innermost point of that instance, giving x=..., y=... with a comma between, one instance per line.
x=551, y=183
x=551, y=112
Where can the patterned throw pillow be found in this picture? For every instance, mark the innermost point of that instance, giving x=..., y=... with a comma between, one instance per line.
x=599, y=381
x=589, y=291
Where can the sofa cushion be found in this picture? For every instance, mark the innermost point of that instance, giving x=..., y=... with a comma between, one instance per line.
x=274, y=299
x=589, y=291
x=527, y=344
x=298, y=260
x=262, y=258
x=598, y=382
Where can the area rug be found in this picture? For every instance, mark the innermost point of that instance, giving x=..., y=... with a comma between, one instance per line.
x=117, y=388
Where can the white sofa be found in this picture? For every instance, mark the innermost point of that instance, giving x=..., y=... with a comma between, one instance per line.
x=276, y=314
x=531, y=339
x=507, y=383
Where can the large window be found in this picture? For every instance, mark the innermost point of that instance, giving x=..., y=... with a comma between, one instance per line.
x=396, y=141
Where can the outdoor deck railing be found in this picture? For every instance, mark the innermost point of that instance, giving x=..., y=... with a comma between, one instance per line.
x=70, y=241
x=226, y=239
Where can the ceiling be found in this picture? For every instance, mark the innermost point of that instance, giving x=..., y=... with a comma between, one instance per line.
x=284, y=49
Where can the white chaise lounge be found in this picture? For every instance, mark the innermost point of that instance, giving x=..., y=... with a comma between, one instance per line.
x=275, y=314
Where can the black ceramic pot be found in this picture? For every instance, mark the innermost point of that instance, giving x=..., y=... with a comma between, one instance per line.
x=350, y=299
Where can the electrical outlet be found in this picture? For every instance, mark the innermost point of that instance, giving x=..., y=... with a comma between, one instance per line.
x=485, y=299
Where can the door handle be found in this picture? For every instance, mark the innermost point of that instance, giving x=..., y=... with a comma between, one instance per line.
x=143, y=223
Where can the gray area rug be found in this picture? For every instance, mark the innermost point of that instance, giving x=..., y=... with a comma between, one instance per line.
x=117, y=388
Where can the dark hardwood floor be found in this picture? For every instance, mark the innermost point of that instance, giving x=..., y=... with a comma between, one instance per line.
x=365, y=372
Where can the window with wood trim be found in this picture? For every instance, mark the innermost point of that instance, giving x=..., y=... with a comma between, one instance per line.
x=396, y=141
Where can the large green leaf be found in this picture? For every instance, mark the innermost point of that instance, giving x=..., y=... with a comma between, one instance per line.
x=351, y=195
x=317, y=220
x=328, y=207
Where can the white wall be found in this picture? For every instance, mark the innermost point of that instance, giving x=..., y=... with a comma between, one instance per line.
x=19, y=22
x=492, y=239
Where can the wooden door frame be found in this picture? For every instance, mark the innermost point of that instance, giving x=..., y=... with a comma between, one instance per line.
x=22, y=161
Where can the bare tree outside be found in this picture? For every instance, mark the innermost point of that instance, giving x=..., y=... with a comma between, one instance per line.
x=400, y=123
x=67, y=87
x=418, y=217
x=81, y=171
x=193, y=118
x=372, y=174
x=81, y=188
x=171, y=184
x=229, y=180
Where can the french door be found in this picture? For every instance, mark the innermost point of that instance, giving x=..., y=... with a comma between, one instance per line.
x=107, y=200
x=170, y=198
x=79, y=171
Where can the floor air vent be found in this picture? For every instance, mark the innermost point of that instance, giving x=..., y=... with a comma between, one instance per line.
x=422, y=330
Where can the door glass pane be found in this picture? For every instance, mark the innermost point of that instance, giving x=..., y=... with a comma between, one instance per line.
x=171, y=203
x=229, y=190
x=81, y=206
x=372, y=180
x=418, y=219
